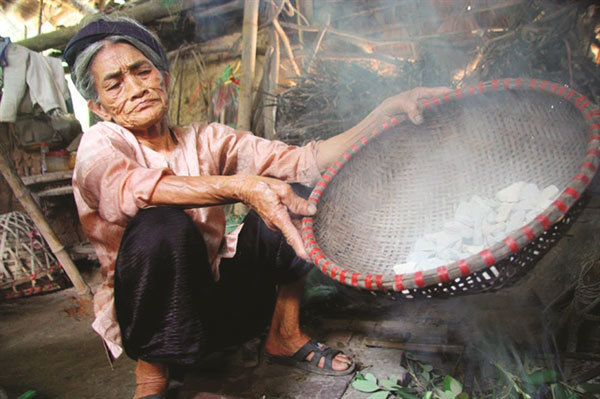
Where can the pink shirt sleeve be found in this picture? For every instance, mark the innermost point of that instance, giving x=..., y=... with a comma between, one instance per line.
x=240, y=152
x=110, y=178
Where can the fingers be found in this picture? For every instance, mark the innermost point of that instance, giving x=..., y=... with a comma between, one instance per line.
x=296, y=204
x=415, y=111
x=273, y=201
x=411, y=102
x=289, y=231
x=428, y=92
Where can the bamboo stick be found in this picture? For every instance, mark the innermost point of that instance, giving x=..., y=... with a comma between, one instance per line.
x=286, y=45
x=249, y=34
x=25, y=198
x=49, y=177
x=369, y=44
x=414, y=347
x=318, y=45
x=270, y=110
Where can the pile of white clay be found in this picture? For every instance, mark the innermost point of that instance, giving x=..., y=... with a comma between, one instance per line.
x=477, y=224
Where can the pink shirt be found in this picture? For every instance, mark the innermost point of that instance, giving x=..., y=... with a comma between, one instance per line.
x=115, y=176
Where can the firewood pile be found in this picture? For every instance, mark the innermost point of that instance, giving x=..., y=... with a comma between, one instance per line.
x=337, y=95
x=534, y=39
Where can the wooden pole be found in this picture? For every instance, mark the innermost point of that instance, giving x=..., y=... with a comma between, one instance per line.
x=286, y=45
x=40, y=16
x=249, y=35
x=272, y=80
x=414, y=347
x=26, y=199
x=143, y=13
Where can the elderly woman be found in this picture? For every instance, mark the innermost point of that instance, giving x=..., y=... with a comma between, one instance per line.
x=150, y=198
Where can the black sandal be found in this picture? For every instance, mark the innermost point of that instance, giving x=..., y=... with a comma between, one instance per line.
x=320, y=350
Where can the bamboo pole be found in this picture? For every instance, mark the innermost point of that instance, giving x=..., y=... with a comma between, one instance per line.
x=249, y=35
x=286, y=45
x=26, y=199
x=271, y=80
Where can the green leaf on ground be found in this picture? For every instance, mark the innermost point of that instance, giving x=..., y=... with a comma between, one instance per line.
x=426, y=367
x=365, y=385
x=405, y=395
x=541, y=377
x=371, y=377
x=379, y=395
x=428, y=395
x=445, y=395
x=389, y=385
x=450, y=384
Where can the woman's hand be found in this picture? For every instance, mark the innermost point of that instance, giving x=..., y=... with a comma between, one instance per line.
x=277, y=205
x=409, y=102
x=273, y=200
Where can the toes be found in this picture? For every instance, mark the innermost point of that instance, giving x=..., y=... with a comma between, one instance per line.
x=340, y=362
x=343, y=358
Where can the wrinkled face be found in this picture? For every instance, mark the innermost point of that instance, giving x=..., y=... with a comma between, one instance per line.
x=132, y=91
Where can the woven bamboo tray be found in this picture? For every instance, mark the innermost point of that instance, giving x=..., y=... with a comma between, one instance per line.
x=400, y=181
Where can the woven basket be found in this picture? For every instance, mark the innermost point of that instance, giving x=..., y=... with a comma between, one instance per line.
x=402, y=181
x=27, y=266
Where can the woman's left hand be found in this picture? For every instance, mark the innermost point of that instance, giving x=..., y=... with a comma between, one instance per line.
x=410, y=102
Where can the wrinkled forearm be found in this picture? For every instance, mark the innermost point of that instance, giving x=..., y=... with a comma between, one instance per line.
x=198, y=191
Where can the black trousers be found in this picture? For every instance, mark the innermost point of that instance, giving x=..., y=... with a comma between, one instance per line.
x=169, y=307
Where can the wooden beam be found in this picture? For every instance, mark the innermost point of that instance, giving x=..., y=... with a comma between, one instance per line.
x=414, y=347
x=31, y=207
x=143, y=13
x=249, y=35
x=49, y=177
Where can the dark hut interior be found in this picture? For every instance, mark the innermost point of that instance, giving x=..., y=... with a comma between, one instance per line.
x=320, y=67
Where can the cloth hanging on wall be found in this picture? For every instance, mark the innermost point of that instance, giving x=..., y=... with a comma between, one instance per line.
x=39, y=78
x=36, y=98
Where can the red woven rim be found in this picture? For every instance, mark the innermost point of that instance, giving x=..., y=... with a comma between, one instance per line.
x=512, y=244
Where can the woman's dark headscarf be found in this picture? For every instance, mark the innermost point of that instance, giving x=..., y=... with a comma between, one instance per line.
x=99, y=30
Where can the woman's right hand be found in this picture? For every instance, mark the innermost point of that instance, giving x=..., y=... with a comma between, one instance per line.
x=277, y=205
x=273, y=200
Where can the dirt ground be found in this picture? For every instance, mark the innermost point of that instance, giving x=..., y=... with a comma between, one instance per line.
x=49, y=347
